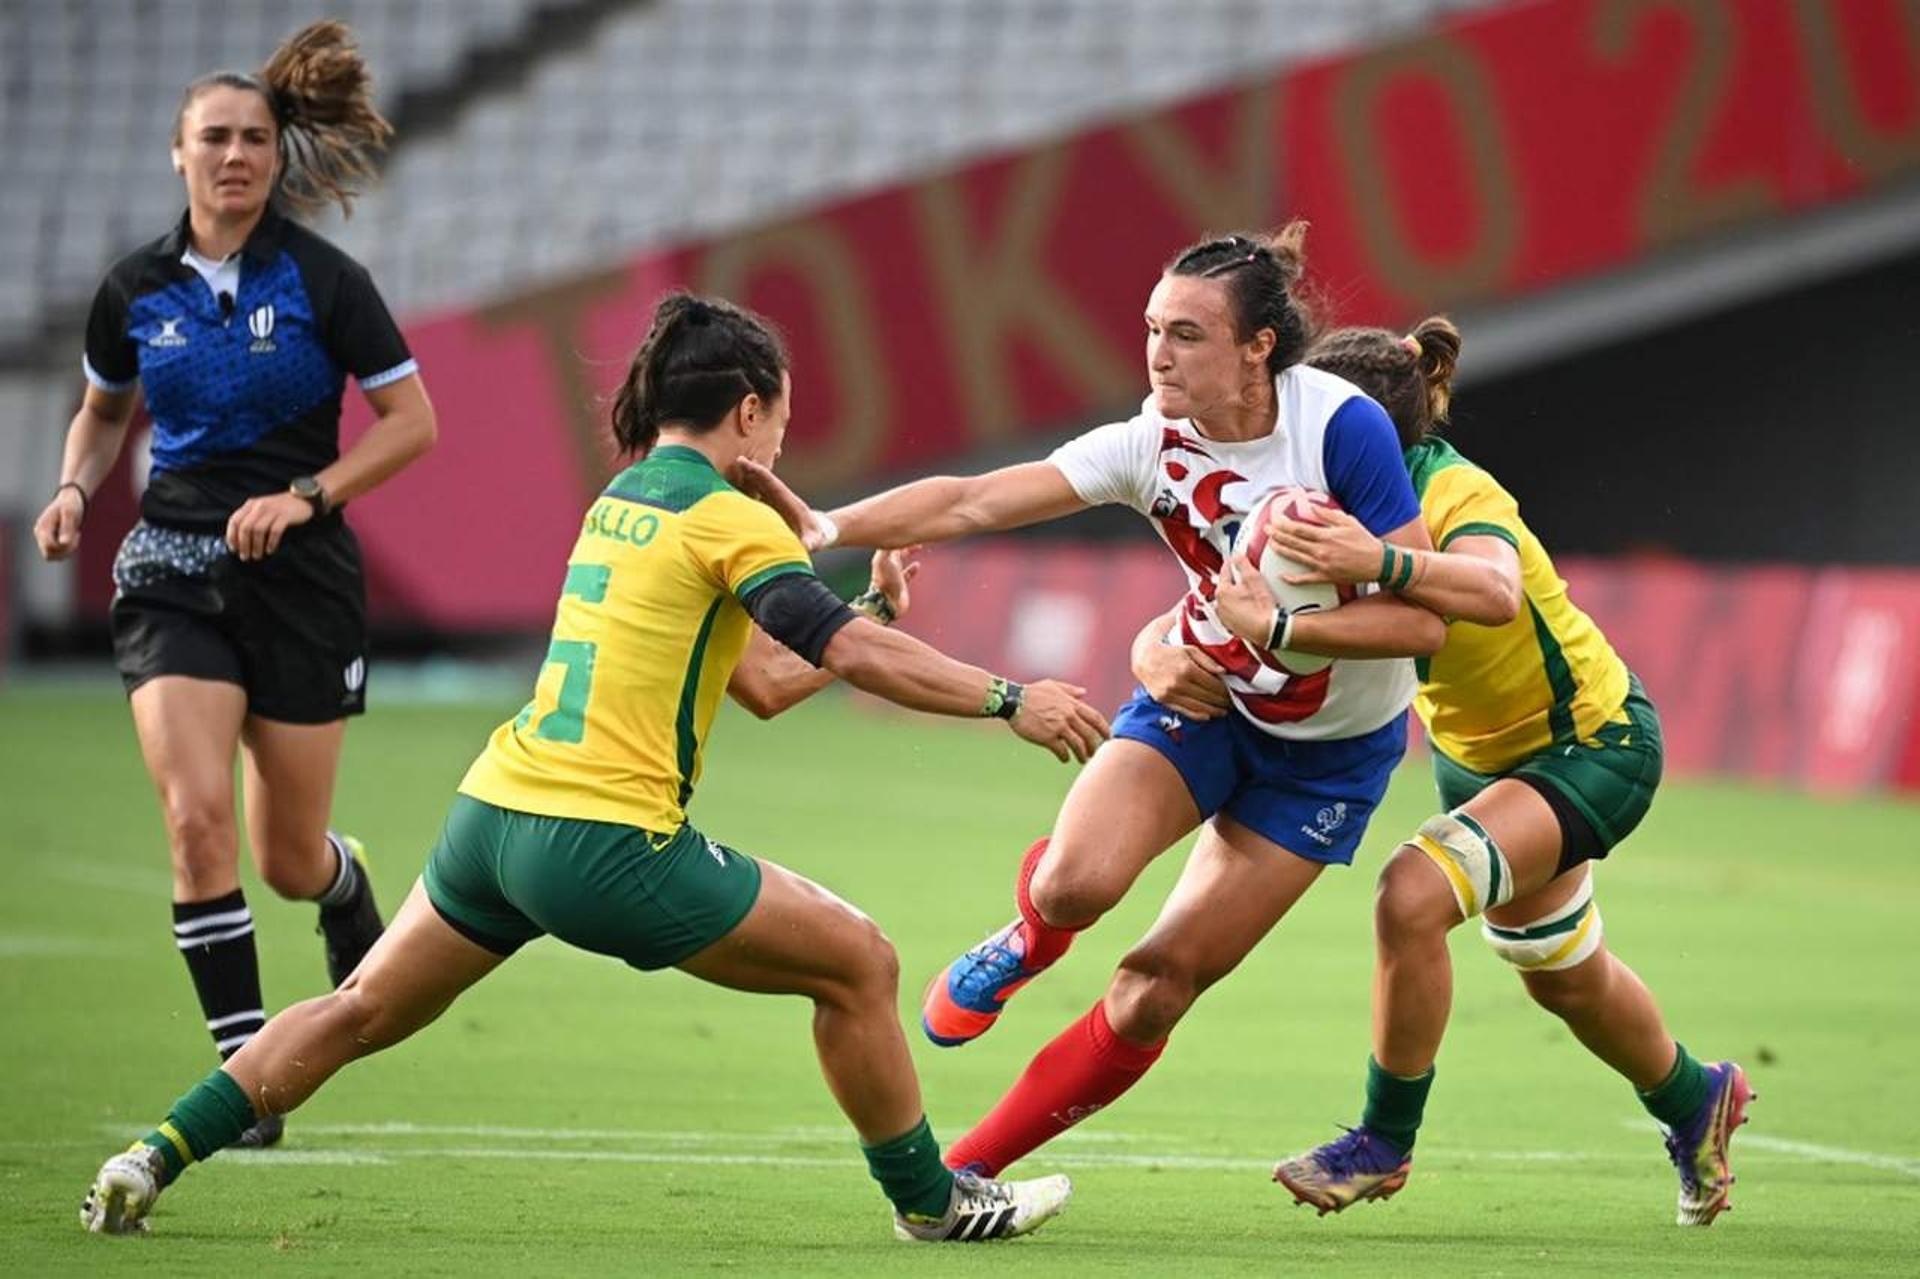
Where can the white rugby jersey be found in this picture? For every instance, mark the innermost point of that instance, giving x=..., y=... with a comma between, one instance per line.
x=1328, y=437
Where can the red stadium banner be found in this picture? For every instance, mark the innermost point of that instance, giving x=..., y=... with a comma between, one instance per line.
x=1489, y=157
x=1806, y=676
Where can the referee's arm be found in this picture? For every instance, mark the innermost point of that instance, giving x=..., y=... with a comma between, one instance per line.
x=94, y=440
x=403, y=430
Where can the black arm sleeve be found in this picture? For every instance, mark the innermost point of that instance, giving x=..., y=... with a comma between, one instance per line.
x=110, y=352
x=350, y=317
x=798, y=610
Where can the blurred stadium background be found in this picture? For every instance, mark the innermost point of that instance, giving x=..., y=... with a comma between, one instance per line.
x=1682, y=238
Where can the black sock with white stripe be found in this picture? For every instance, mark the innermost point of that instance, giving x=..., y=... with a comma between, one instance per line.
x=216, y=939
x=346, y=875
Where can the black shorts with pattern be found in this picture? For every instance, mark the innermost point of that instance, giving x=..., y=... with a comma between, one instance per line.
x=290, y=629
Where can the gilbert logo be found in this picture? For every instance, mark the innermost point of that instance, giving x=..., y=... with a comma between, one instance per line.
x=260, y=324
x=169, y=334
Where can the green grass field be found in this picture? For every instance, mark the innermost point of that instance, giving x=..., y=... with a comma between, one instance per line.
x=572, y=1117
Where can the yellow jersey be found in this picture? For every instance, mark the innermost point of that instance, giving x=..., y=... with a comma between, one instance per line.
x=1495, y=695
x=646, y=635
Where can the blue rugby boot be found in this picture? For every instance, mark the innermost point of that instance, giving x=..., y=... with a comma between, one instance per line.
x=1698, y=1148
x=1357, y=1165
x=963, y=1001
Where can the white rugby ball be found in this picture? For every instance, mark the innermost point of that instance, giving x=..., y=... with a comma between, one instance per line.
x=1252, y=542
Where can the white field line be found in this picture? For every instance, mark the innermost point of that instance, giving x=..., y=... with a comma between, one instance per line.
x=134, y=881
x=690, y=1149
x=44, y=945
x=505, y=1133
x=1829, y=1154
x=1810, y=1152
x=304, y=1158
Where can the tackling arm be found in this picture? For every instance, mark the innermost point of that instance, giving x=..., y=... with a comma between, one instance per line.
x=1376, y=626
x=1476, y=580
x=772, y=678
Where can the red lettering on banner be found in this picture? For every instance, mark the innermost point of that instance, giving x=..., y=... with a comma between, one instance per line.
x=1565, y=139
x=995, y=286
x=809, y=269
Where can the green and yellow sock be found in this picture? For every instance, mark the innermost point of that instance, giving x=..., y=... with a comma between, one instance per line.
x=1395, y=1104
x=910, y=1173
x=1679, y=1096
x=210, y=1117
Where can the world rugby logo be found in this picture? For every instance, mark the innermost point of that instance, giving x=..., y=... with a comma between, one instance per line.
x=260, y=324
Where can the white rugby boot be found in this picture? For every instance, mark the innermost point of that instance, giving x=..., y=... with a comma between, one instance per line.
x=982, y=1209
x=123, y=1192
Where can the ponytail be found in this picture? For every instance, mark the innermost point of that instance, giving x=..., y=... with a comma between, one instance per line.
x=1411, y=376
x=321, y=95
x=700, y=358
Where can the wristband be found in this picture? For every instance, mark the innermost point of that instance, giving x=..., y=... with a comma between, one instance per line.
x=1389, y=564
x=1282, y=630
x=1408, y=559
x=75, y=486
x=1003, y=699
x=829, y=531
x=874, y=603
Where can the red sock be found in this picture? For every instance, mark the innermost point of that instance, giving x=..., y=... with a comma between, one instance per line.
x=1084, y=1069
x=1045, y=942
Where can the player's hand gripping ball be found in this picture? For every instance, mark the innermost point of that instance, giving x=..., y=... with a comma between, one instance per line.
x=1275, y=568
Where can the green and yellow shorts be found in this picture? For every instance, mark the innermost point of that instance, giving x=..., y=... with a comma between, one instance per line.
x=1599, y=787
x=501, y=878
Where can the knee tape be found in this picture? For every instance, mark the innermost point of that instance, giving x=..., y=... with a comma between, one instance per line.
x=1468, y=857
x=1561, y=940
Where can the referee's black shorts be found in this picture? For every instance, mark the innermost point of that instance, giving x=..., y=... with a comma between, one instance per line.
x=291, y=629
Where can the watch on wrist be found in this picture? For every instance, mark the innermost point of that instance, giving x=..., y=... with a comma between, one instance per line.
x=308, y=490
x=875, y=604
x=1004, y=699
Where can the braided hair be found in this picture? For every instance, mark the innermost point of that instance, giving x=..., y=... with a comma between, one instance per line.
x=331, y=136
x=700, y=358
x=1411, y=376
x=1262, y=274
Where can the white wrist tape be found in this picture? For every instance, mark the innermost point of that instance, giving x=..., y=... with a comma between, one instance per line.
x=829, y=531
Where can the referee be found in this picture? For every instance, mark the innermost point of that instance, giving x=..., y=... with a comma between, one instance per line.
x=239, y=614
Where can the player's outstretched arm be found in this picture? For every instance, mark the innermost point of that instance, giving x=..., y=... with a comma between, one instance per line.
x=1477, y=579
x=772, y=678
x=915, y=675
x=935, y=509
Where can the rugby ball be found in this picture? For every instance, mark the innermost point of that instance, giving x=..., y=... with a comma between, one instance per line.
x=1297, y=504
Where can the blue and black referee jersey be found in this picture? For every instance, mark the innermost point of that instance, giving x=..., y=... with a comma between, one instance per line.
x=244, y=385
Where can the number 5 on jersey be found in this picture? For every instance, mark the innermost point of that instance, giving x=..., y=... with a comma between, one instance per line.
x=567, y=721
